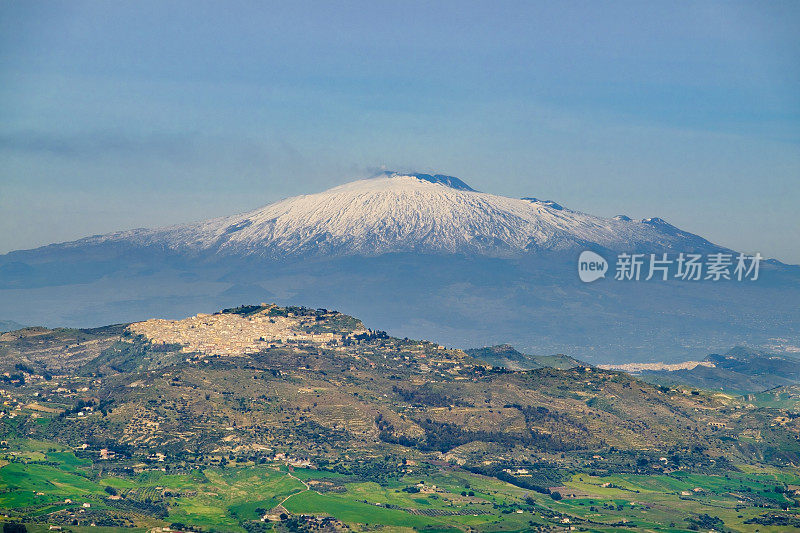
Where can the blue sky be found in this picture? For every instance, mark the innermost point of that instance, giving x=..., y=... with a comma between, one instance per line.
x=116, y=116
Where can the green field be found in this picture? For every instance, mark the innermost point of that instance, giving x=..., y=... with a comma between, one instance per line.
x=40, y=485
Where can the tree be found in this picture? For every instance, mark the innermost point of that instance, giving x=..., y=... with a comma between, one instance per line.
x=13, y=527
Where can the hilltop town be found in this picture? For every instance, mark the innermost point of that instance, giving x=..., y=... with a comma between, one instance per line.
x=230, y=333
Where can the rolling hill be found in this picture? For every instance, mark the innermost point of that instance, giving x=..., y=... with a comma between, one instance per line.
x=257, y=375
x=270, y=418
x=507, y=356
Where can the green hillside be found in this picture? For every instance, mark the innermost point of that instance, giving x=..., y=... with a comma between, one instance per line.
x=507, y=356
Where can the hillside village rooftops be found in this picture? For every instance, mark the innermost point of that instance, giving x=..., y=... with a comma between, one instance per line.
x=230, y=333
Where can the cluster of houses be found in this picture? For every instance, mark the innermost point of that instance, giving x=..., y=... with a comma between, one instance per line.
x=232, y=334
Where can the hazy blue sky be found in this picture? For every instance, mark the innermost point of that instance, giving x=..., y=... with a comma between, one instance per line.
x=116, y=116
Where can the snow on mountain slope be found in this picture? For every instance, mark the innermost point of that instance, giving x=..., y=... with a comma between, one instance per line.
x=410, y=213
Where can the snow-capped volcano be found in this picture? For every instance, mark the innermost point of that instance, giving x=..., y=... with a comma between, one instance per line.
x=396, y=212
x=420, y=255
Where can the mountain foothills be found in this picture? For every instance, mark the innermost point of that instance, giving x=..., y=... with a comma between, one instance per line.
x=741, y=370
x=426, y=255
x=293, y=419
